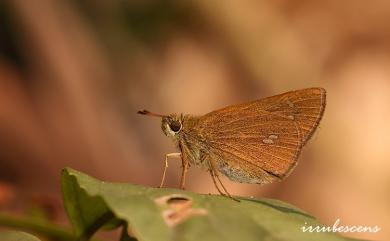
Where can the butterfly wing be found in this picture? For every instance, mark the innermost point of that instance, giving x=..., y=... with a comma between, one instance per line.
x=259, y=141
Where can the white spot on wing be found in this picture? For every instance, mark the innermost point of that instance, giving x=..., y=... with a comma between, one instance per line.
x=268, y=141
x=272, y=137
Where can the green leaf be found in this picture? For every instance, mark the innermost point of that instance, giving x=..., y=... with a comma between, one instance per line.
x=16, y=236
x=36, y=226
x=87, y=213
x=159, y=214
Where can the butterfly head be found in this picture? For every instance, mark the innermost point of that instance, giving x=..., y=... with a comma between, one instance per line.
x=171, y=125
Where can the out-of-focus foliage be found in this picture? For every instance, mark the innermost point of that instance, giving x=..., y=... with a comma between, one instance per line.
x=17, y=236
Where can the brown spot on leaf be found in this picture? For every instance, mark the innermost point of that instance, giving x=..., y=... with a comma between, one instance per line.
x=177, y=209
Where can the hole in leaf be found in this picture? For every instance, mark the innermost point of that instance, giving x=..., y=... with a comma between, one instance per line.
x=173, y=200
x=176, y=200
x=178, y=203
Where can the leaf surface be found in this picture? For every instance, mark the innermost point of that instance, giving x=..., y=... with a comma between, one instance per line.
x=161, y=214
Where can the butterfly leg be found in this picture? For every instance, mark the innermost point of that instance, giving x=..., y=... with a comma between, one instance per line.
x=184, y=172
x=215, y=182
x=166, y=166
x=214, y=174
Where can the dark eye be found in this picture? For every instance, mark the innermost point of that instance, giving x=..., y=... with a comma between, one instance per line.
x=175, y=126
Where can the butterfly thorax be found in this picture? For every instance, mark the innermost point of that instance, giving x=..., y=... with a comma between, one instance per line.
x=183, y=130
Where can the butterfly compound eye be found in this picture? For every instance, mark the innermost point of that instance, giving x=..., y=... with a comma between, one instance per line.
x=175, y=126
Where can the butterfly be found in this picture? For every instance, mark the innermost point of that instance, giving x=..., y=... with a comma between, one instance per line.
x=254, y=142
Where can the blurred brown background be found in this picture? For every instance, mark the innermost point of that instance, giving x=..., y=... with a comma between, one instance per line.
x=74, y=73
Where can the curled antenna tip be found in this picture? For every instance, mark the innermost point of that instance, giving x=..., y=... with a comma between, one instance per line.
x=146, y=112
x=143, y=112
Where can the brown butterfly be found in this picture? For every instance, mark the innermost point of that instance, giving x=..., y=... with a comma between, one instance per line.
x=254, y=142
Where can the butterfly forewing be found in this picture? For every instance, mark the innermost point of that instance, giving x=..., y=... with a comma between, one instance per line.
x=304, y=107
x=259, y=141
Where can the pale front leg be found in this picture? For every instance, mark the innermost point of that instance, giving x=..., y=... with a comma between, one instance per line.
x=177, y=155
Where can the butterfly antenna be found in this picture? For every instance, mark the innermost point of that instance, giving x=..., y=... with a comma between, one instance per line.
x=148, y=113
